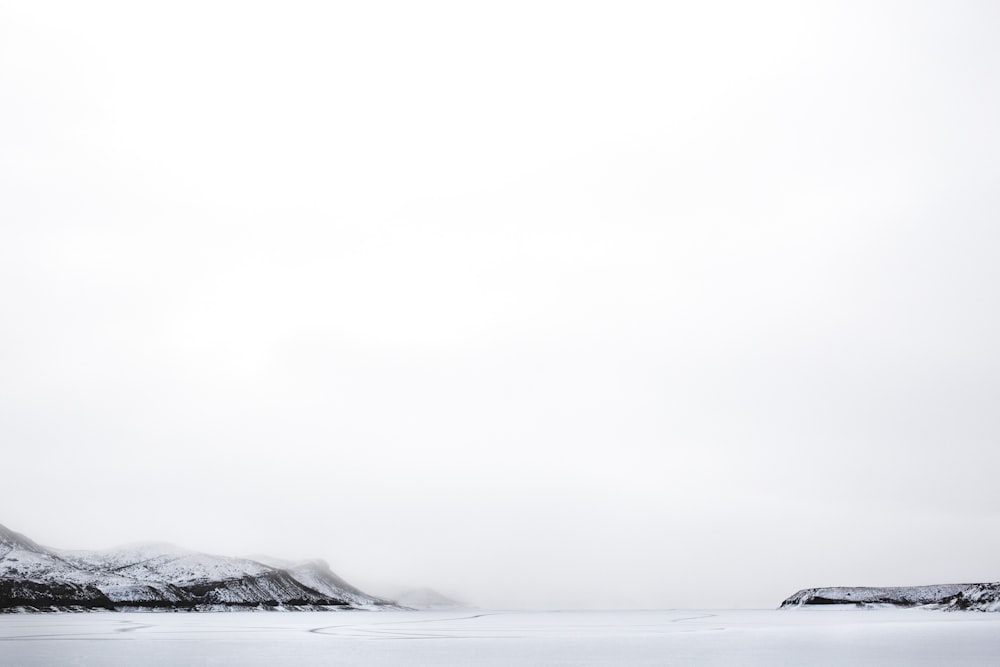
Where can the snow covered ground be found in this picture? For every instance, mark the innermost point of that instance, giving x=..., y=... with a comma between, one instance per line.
x=841, y=637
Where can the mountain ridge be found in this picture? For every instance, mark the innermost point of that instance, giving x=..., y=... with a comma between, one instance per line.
x=151, y=576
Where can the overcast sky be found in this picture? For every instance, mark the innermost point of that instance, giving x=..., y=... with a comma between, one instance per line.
x=599, y=304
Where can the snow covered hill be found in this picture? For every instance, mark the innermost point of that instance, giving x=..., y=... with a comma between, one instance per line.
x=161, y=576
x=977, y=597
x=428, y=599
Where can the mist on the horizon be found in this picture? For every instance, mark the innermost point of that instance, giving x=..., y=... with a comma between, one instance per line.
x=539, y=305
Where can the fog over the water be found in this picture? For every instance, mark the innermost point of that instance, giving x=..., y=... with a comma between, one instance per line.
x=538, y=304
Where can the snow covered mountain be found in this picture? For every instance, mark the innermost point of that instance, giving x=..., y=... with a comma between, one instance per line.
x=161, y=576
x=428, y=599
x=976, y=597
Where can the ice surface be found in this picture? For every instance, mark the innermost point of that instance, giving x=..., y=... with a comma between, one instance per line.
x=822, y=637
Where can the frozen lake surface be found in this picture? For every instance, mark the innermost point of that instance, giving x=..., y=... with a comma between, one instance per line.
x=841, y=637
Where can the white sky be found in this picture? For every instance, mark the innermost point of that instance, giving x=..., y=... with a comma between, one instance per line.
x=535, y=303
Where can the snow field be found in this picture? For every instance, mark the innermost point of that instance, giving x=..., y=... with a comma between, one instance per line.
x=752, y=638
